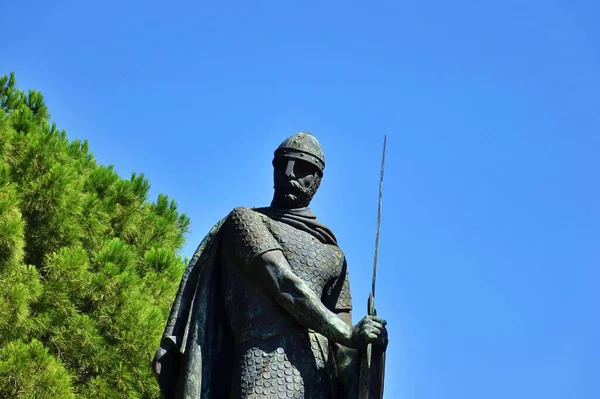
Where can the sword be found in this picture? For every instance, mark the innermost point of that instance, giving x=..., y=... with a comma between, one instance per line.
x=365, y=369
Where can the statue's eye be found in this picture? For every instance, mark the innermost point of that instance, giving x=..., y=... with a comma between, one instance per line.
x=303, y=168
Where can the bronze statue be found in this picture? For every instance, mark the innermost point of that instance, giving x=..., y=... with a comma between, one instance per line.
x=264, y=307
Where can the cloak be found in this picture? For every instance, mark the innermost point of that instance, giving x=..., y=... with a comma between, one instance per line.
x=196, y=343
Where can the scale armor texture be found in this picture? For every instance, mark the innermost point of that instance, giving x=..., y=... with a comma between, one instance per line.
x=275, y=356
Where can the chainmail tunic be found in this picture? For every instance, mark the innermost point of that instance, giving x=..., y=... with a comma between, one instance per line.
x=275, y=357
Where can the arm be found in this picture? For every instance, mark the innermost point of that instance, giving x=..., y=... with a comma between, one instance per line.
x=272, y=273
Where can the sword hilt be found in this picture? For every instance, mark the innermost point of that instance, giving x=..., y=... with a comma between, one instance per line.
x=371, y=305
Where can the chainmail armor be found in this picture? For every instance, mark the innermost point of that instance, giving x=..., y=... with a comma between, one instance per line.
x=277, y=357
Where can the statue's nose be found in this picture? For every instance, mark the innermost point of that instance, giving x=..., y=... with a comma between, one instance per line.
x=289, y=169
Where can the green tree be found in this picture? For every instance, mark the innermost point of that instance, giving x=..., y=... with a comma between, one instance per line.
x=88, y=265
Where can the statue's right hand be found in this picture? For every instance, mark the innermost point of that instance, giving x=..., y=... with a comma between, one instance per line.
x=367, y=331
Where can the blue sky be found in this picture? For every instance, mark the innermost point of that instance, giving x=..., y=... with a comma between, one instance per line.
x=489, y=240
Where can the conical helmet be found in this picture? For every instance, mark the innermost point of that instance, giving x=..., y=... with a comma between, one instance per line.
x=302, y=146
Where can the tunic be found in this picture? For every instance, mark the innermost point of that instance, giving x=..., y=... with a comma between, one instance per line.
x=274, y=356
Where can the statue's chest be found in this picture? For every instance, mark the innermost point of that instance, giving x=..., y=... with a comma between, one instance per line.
x=310, y=259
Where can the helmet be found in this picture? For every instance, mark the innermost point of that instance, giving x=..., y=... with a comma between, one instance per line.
x=302, y=146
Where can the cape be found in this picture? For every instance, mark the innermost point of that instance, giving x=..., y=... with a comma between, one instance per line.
x=196, y=343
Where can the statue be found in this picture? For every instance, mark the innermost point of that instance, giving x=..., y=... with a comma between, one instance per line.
x=264, y=307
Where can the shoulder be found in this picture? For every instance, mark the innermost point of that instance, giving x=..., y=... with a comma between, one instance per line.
x=339, y=253
x=248, y=234
x=242, y=212
x=243, y=217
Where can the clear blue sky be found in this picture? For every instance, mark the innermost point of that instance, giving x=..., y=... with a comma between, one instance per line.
x=489, y=255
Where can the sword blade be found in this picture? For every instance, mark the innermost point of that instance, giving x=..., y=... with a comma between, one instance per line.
x=373, y=284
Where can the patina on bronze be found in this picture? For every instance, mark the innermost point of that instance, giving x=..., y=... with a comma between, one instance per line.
x=264, y=307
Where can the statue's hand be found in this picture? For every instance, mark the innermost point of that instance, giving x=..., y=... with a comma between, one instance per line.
x=368, y=330
x=382, y=341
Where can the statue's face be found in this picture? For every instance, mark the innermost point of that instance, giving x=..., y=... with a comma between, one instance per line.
x=296, y=182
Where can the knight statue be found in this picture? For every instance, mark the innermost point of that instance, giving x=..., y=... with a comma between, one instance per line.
x=264, y=307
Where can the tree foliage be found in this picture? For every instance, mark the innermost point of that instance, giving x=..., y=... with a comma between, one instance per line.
x=88, y=265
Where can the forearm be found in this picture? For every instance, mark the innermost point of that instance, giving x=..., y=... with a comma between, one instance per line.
x=299, y=300
x=273, y=273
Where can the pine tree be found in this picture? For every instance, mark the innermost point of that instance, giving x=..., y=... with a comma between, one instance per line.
x=88, y=265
